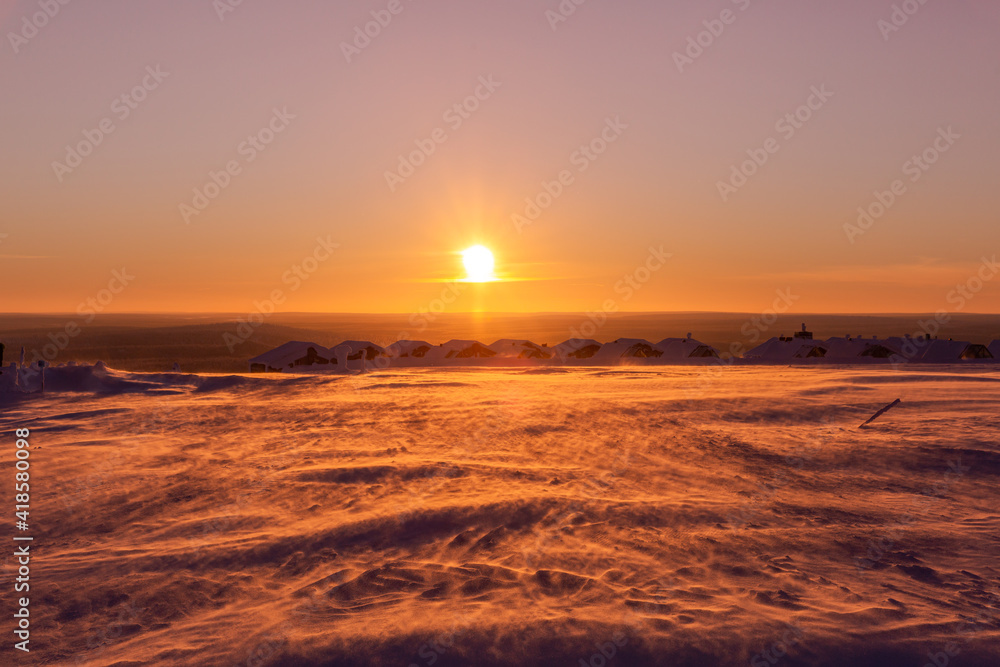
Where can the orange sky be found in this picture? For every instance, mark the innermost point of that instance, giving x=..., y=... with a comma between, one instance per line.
x=667, y=121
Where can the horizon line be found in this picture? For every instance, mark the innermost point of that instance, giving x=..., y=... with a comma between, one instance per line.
x=239, y=314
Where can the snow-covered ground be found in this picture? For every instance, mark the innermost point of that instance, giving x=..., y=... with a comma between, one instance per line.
x=668, y=515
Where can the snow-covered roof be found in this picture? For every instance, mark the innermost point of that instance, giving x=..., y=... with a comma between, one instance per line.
x=858, y=349
x=926, y=350
x=285, y=356
x=685, y=348
x=906, y=347
x=628, y=348
x=461, y=349
x=951, y=351
x=408, y=348
x=780, y=349
x=577, y=348
x=370, y=349
x=521, y=349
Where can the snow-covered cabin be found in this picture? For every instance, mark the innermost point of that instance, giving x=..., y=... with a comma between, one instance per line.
x=460, y=349
x=907, y=348
x=953, y=352
x=628, y=348
x=925, y=350
x=680, y=349
x=357, y=349
x=290, y=356
x=408, y=349
x=783, y=349
x=520, y=349
x=858, y=349
x=577, y=348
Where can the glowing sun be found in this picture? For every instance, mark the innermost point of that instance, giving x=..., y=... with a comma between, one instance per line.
x=479, y=264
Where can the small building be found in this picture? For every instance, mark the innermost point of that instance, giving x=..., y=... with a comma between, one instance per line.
x=909, y=349
x=786, y=350
x=789, y=349
x=628, y=348
x=577, y=348
x=682, y=349
x=461, y=349
x=858, y=349
x=358, y=349
x=953, y=352
x=408, y=349
x=520, y=349
x=927, y=350
x=292, y=355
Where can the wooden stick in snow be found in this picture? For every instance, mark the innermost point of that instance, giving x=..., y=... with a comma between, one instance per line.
x=881, y=412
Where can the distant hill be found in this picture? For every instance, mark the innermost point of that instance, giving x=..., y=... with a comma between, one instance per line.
x=199, y=342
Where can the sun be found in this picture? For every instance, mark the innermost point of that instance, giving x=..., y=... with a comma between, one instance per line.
x=479, y=264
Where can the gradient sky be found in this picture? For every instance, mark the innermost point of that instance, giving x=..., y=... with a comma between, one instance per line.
x=657, y=185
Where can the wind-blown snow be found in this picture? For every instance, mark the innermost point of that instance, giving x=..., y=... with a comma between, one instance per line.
x=471, y=516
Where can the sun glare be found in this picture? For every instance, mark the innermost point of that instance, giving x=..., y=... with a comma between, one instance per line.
x=479, y=264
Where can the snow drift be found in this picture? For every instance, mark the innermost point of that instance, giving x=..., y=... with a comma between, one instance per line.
x=661, y=516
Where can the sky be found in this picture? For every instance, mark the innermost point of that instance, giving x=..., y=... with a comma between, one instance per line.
x=635, y=155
